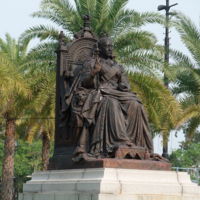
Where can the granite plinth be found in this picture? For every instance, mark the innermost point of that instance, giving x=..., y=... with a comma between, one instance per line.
x=110, y=184
x=110, y=163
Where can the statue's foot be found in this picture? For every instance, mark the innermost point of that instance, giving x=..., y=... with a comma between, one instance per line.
x=79, y=157
x=83, y=156
x=79, y=150
x=157, y=157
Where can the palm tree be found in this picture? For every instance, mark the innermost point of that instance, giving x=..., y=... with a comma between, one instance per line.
x=42, y=117
x=40, y=67
x=44, y=98
x=14, y=95
x=107, y=16
x=23, y=74
x=187, y=84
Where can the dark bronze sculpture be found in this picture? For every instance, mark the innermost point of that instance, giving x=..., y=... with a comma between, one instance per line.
x=97, y=116
x=112, y=116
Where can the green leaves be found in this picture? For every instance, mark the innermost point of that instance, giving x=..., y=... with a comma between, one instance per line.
x=61, y=13
x=14, y=86
x=186, y=157
x=107, y=16
x=190, y=35
x=137, y=50
x=40, y=31
x=187, y=71
x=27, y=85
x=41, y=58
x=161, y=105
x=116, y=6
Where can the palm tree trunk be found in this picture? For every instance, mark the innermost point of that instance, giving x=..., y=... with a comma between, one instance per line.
x=165, y=151
x=165, y=147
x=45, y=150
x=8, y=161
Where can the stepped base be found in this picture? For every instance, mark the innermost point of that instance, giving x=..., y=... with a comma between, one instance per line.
x=60, y=162
x=110, y=184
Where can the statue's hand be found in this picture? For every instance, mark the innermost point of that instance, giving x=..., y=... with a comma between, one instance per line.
x=123, y=87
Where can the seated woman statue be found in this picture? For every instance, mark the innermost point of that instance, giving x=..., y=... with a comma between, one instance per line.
x=111, y=114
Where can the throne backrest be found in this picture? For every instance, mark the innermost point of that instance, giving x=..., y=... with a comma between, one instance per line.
x=77, y=53
x=70, y=59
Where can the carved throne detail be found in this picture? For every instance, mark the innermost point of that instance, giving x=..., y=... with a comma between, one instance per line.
x=70, y=59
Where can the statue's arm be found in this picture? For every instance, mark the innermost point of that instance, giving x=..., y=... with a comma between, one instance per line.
x=88, y=75
x=123, y=84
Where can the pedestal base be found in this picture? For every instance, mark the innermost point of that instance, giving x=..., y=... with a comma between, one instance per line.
x=110, y=184
x=60, y=162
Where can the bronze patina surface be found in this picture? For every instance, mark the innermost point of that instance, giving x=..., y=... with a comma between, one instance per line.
x=112, y=163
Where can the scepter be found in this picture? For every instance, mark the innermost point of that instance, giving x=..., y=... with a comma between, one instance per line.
x=96, y=56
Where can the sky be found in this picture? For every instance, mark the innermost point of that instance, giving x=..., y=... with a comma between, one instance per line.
x=15, y=17
x=191, y=8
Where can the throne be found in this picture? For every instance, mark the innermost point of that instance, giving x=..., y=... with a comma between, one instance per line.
x=70, y=59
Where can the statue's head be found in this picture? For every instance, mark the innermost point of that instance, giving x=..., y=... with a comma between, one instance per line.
x=106, y=47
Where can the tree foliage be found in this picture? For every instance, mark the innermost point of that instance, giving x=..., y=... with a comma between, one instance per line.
x=27, y=159
x=133, y=46
x=188, y=155
x=187, y=73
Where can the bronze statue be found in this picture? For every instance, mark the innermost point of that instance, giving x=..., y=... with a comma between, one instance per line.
x=112, y=115
x=97, y=115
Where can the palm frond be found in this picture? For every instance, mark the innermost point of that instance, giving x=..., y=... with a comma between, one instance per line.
x=159, y=102
x=190, y=35
x=41, y=58
x=60, y=12
x=181, y=59
x=42, y=32
x=190, y=112
x=192, y=126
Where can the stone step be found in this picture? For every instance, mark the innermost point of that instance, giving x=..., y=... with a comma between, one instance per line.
x=97, y=183
x=86, y=196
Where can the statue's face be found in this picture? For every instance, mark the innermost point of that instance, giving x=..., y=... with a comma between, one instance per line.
x=107, y=48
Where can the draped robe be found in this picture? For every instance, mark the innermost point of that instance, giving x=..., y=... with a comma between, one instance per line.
x=113, y=116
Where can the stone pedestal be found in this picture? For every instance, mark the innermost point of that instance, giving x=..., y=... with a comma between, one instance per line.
x=110, y=184
x=61, y=163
